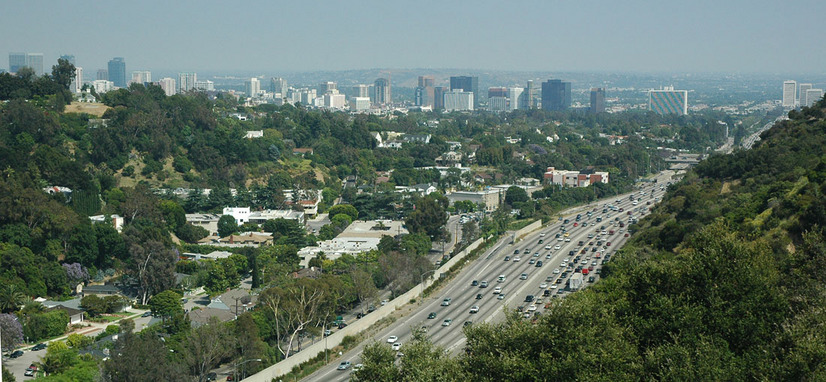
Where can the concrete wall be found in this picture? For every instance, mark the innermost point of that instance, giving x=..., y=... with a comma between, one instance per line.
x=528, y=229
x=357, y=326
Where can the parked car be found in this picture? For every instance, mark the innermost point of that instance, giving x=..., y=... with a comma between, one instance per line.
x=16, y=354
x=39, y=346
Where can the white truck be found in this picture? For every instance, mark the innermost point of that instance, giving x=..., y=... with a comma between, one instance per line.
x=575, y=282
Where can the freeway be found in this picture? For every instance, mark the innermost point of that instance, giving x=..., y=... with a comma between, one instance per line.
x=521, y=277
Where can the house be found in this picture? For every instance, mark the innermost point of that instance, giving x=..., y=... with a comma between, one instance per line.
x=482, y=178
x=303, y=151
x=100, y=290
x=207, y=221
x=200, y=317
x=247, y=239
x=115, y=221
x=311, y=272
x=449, y=158
x=253, y=134
x=417, y=138
x=75, y=315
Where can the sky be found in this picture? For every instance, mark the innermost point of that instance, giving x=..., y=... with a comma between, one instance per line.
x=695, y=36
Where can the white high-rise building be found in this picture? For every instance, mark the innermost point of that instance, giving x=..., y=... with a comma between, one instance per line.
x=497, y=103
x=205, y=85
x=513, y=96
x=77, y=82
x=186, y=81
x=361, y=91
x=141, y=77
x=253, y=87
x=168, y=86
x=103, y=86
x=789, y=93
x=812, y=96
x=457, y=100
x=360, y=103
x=801, y=91
x=334, y=100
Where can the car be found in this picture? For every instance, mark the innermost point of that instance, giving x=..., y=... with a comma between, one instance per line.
x=540, y=241
x=559, y=280
x=467, y=323
x=29, y=373
x=547, y=292
x=529, y=298
x=501, y=278
x=483, y=284
x=516, y=259
x=478, y=296
x=523, y=276
x=344, y=365
x=446, y=302
x=532, y=308
x=342, y=325
x=548, y=256
x=474, y=283
x=39, y=346
x=515, y=251
x=446, y=322
x=542, y=234
x=383, y=302
x=32, y=367
x=147, y=314
x=327, y=332
x=591, y=279
x=539, y=264
x=392, y=339
x=212, y=377
x=432, y=315
x=585, y=271
x=598, y=271
x=474, y=309
x=543, y=285
x=507, y=258
x=397, y=346
x=532, y=262
x=549, y=279
x=626, y=234
x=497, y=290
x=608, y=244
x=548, y=247
x=16, y=354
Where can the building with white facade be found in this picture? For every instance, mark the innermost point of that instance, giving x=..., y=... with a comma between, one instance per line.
x=141, y=77
x=205, y=85
x=801, y=91
x=513, y=96
x=334, y=100
x=168, y=86
x=278, y=85
x=570, y=178
x=102, y=86
x=789, y=93
x=457, y=100
x=498, y=104
x=241, y=214
x=360, y=236
x=252, y=87
x=360, y=103
x=812, y=96
x=361, y=90
x=489, y=198
x=186, y=81
x=77, y=82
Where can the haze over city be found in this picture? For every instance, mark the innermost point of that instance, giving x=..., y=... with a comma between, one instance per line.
x=647, y=36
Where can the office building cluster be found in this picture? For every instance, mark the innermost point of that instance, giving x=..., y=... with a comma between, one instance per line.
x=799, y=95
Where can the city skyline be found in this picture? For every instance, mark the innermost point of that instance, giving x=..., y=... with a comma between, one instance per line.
x=641, y=36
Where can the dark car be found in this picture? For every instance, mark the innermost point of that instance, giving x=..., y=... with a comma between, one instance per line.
x=146, y=314
x=539, y=264
x=432, y=315
x=591, y=279
x=529, y=298
x=16, y=354
x=479, y=296
x=474, y=283
x=507, y=258
x=39, y=346
x=212, y=377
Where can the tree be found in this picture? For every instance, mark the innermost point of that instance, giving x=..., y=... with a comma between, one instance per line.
x=363, y=285
x=416, y=243
x=515, y=194
x=166, y=304
x=295, y=307
x=110, y=245
x=205, y=346
x=63, y=73
x=129, y=362
x=191, y=233
x=11, y=297
x=82, y=245
x=173, y=214
x=37, y=326
x=59, y=357
x=12, y=332
x=227, y=226
x=347, y=209
x=154, y=267
x=93, y=305
x=429, y=217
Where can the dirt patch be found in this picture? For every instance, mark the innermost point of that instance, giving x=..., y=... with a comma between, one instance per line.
x=728, y=185
x=93, y=108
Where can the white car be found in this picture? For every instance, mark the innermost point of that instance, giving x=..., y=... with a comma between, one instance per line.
x=557, y=246
x=567, y=239
x=548, y=247
x=516, y=259
x=497, y=290
x=542, y=234
x=556, y=271
x=532, y=308
x=553, y=286
x=543, y=285
x=396, y=346
x=474, y=309
x=500, y=297
x=392, y=339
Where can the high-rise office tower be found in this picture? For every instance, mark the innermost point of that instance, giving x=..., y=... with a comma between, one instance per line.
x=801, y=90
x=597, y=100
x=206, y=86
x=16, y=61
x=361, y=91
x=70, y=58
x=497, y=91
x=77, y=82
x=424, y=92
x=668, y=101
x=439, y=97
x=186, y=81
x=528, y=99
x=102, y=75
x=789, y=93
x=278, y=85
x=141, y=77
x=466, y=83
x=117, y=71
x=458, y=100
x=253, y=87
x=35, y=61
x=325, y=87
x=168, y=86
x=514, y=96
x=812, y=96
x=381, y=92
x=556, y=95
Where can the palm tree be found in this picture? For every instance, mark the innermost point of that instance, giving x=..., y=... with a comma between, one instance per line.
x=11, y=297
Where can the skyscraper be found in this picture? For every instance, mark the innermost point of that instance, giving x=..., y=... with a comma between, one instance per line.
x=325, y=87
x=16, y=61
x=556, y=95
x=186, y=81
x=278, y=85
x=168, y=86
x=381, y=92
x=813, y=95
x=102, y=75
x=789, y=93
x=117, y=71
x=70, y=58
x=425, y=92
x=458, y=100
x=597, y=100
x=439, y=97
x=497, y=91
x=253, y=87
x=35, y=61
x=466, y=83
x=669, y=101
x=514, y=95
x=141, y=77
x=77, y=82
x=527, y=101
x=361, y=91
x=802, y=88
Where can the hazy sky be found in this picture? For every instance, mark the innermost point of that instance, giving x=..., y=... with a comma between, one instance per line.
x=573, y=35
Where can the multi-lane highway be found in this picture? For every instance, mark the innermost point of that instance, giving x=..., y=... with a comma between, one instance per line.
x=588, y=241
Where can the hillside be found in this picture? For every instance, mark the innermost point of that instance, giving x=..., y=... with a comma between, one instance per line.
x=723, y=281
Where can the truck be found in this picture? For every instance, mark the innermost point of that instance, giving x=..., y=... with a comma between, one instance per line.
x=575, y=282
